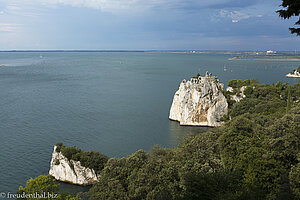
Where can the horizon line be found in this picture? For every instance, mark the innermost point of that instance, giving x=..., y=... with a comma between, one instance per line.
x=99, y=50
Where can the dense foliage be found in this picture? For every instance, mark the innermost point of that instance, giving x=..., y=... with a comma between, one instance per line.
x=264, y=100
x=43, y=187
x=93, y=160
x=291, y=8
x=239, y=83
x=254, y=155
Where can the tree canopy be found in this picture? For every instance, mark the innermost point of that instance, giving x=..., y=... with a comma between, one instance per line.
x=291, y=8
x=43, y=187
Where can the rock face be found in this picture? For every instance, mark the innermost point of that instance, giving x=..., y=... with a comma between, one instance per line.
x=294, y=74
x=70, y=171
x=199, y=102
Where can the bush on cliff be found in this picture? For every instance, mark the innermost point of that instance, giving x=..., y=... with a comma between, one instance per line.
x=295, y=70
x=93, y=160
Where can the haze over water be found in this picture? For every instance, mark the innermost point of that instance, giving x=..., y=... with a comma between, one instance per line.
x=114, y=103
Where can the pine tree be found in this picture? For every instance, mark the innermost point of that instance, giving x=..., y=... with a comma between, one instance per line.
x=292, y=8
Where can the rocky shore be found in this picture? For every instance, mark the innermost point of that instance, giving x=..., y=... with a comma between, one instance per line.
x=294, y=74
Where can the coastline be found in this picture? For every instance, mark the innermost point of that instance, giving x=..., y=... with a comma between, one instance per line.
x=267, y=59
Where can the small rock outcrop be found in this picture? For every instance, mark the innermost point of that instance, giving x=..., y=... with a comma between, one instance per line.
x=199, y=102
x=239, y=95
x=294, y=74
x=63, y=169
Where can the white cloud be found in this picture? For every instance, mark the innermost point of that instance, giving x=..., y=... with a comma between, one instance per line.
x=24, y=10
x=104, y=5
x=4, y=24
x=13, y=7
x=234, y=15
x=123, y=5
x=5, y=27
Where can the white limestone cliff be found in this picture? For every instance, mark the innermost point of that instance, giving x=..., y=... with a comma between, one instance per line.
x=199, y=102
x=294, y=74
x=63, y=169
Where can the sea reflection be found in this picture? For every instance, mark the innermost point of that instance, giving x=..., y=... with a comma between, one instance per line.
x=177, y=133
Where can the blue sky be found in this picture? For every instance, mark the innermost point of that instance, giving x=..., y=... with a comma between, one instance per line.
x=145, y=25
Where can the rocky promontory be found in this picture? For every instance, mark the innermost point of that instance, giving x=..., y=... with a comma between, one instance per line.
x=71, y=171
x=294, y=74
x=199, y=102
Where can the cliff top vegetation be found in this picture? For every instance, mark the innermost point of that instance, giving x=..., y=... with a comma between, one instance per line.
x=93, y=160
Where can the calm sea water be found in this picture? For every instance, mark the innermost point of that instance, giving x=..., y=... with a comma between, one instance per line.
x=114, y=103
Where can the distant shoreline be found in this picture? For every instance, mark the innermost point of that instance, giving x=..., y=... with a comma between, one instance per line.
x=242, y=53
x=267, y=59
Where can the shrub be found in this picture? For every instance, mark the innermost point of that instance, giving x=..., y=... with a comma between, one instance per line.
x=232, y=83
x=93, y=160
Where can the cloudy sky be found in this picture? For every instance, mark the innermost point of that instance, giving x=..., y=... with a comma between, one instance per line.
x=145, y=25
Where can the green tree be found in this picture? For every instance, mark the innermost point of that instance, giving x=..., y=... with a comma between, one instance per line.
x=108, y=189
x=212, y=186
x=233, y=83
x=43, y=187
x=295, y=179
x=291, y=8
x=239, y=83
x=289, y=101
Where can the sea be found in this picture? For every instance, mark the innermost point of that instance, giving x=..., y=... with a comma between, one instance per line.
x=112, y=102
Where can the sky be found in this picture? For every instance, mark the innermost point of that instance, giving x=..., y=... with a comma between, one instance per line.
x=145, y=25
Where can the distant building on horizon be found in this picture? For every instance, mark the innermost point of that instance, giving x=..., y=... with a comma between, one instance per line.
x=271, y=52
